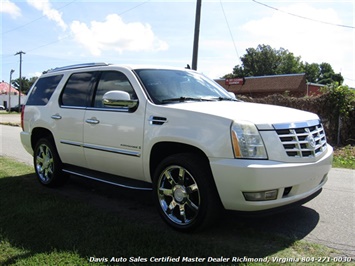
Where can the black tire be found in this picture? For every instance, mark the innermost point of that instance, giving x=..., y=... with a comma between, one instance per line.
x=47, y=164
x=185, y=193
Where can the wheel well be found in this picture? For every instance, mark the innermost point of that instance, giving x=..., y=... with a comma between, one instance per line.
x=39, y=133
x=162, y=150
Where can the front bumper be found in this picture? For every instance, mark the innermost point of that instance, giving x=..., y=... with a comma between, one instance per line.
x=300, y=180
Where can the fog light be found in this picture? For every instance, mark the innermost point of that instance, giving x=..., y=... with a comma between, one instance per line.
x=261, y=195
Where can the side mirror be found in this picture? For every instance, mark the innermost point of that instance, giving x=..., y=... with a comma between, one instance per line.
x=119, y=99
x=232, y=95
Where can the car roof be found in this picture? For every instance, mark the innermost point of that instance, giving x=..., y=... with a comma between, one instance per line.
x=101, y=64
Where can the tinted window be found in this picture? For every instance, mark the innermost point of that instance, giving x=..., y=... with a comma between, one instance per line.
x=43, y=90
x=77, y=91
x=112, y=81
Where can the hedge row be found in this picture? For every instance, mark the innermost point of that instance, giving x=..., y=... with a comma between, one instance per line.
x=321, y=105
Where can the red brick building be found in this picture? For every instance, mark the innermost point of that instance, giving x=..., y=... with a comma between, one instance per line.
x=291, y=84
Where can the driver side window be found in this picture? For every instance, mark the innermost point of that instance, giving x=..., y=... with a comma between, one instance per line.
x=112, y=81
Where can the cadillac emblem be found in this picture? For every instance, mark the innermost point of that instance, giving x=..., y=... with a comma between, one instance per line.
x=311, y=141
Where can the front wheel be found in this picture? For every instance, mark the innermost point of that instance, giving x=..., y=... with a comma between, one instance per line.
x=185, y=193
x=47, y=164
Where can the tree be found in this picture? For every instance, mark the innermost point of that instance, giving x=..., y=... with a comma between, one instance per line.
x=289, y=63
x=265, y=60
x=312, y=72
x=328, y=76
x=26, y=84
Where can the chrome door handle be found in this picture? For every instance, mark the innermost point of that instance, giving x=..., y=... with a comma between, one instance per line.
x=56, y=117
x=92, y=121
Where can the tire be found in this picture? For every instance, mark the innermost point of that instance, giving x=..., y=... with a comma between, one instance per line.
x=185, y=193
x=47, y=164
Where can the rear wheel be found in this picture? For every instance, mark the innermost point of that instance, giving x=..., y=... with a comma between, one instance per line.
x=47, y=164
x=185, y=193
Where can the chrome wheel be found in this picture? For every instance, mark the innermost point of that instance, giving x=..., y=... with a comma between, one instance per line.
x=44, y=163
x=47, y=163
x=178, y=195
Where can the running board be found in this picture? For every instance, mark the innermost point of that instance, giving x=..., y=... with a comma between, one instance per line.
x=108, y=178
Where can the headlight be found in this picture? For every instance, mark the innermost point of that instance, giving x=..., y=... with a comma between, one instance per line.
x=247, y=142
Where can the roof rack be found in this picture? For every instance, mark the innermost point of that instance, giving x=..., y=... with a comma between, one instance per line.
x=76, y=66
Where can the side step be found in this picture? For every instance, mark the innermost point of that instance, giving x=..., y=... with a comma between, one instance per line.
x=107, y=178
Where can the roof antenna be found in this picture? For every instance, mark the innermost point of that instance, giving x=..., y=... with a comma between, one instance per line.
x=187, y=66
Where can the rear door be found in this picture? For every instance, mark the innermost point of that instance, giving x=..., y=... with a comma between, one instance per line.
x=69, y=118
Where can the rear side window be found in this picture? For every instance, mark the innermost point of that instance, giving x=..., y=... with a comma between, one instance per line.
x=77, y=91
x=43, y=90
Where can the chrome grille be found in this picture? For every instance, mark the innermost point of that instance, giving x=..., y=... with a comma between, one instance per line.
x=306, y=141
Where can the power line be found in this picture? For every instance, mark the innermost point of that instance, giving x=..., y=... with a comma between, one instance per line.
x=230, y=32
x=30, y=22
x=299, y=16
x=69, y=35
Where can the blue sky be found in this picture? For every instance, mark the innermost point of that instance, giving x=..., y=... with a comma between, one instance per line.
x=57, y=33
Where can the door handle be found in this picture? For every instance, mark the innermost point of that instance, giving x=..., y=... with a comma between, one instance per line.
x=56, y=117
x=92, y=121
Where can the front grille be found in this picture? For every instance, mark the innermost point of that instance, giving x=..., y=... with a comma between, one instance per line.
x=299, y=142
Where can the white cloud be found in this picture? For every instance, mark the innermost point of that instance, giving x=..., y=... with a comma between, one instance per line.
x=48, y=11
x=10, y=8
x=114, y=34
x=315, y=42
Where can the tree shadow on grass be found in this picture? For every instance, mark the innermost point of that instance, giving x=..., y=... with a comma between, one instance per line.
x=96, y=220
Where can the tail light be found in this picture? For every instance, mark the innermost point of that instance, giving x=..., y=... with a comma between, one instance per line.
x=22, y=114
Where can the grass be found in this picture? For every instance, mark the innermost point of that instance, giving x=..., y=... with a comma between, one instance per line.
x=79, y=224
x=344, y=157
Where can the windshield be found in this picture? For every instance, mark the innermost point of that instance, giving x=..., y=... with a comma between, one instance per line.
x=167, y=86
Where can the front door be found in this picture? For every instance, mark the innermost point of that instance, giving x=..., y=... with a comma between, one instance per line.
x=113, y=137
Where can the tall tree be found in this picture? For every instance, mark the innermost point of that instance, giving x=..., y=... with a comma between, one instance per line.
x=265, y=60
x=288, y=62
x=328, y=76
x=312, y=72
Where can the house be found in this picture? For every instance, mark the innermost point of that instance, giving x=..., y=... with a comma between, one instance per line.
x=314, y=89
x=12, y=97
x=291, y=84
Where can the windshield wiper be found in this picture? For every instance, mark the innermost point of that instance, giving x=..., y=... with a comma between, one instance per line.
x=226, y=99
x=185, y=99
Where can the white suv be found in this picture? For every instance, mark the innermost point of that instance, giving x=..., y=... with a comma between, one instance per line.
x=176, y=132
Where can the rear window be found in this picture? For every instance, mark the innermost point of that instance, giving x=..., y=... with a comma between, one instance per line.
x=77, y=91
x=43, y=90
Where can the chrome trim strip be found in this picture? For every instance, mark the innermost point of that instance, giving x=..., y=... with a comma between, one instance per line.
x=72, y=143
x=104, y=109
x=309, y=123
x=73, y=107
x=113, y=150
x=101, y=148
x=105, y=181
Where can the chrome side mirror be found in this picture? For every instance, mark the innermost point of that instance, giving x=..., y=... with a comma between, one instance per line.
x=119, y=99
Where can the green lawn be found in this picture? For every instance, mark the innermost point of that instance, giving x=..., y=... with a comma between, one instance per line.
x=344, y=157
x=75, y=225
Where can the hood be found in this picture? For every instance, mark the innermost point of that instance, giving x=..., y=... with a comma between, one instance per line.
x=262, y=115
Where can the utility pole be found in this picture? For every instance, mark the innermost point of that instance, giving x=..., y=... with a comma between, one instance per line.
x=196, y=35
x=9, y=105
x=20, y=89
